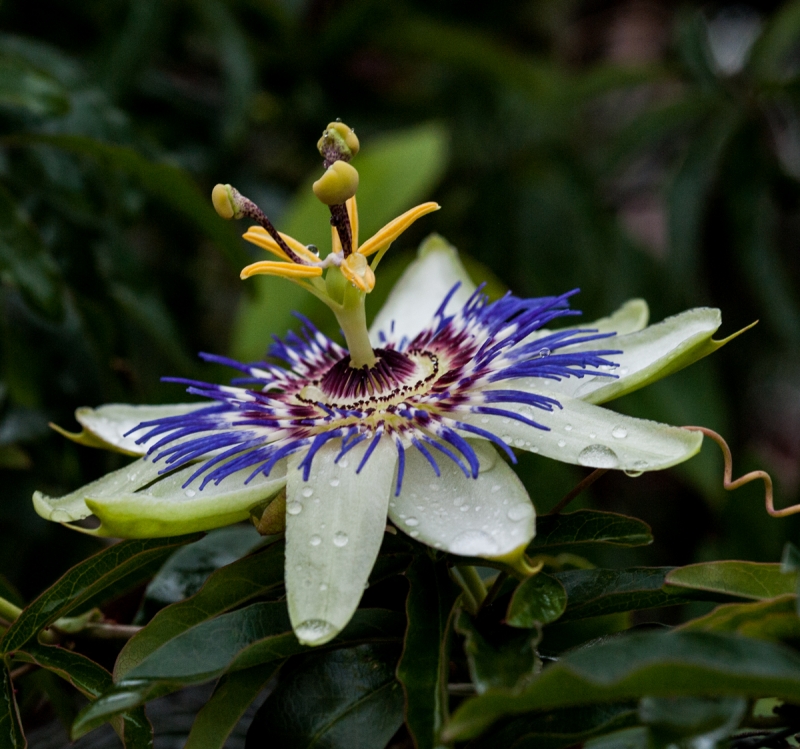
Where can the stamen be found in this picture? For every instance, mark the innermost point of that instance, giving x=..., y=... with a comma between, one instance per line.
x=395, y=228
x=259, y=236
x=286, y=270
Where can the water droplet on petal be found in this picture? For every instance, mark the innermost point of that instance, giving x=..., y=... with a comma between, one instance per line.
x=307, y=492
x=534, y=449
x=314, y=631
x=464, y=508
x=519, y=442
x=340, y=539
x=637, y=469
x=484, y=419
x=294, y=508
x=412, y=521
x=343, y=462
x=414, y=534
x=520, y=512
x=592, y=435
x=568, y=427
x=322, y=587
x=334, y=482
x=619, y=433
x=562, y=443
x=315, y=540
x=496, y=488
x=190, y=492
x=473, y=542
x=458, y=501
x=598, y=456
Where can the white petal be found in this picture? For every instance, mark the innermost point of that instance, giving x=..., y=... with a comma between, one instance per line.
x=490, y=516
x=588, y=435
x=334, y=528
x=165, y=507
x=107, y=425
x=423, y=286
x=630, y=317
x=647, y=356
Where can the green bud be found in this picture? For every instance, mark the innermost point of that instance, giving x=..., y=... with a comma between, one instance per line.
x=337, y=185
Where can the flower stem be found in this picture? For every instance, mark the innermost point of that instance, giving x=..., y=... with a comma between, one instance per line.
x=472, y=585
x=9, y=611
x=353, y=321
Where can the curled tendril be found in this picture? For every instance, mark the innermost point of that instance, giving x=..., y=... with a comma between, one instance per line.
x=730, y=485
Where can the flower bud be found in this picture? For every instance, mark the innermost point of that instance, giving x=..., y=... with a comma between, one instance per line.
x=224, y=198
x=337, y=185
x=338, y=141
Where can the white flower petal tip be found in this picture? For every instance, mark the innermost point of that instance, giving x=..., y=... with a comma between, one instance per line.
x=415, y=298
x=106, y=427
x=490, y=516
x=335, y=523
x=629, y=318
x=587, y=435
x=138, y=502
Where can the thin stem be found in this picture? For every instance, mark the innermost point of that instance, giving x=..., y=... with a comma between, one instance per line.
x=251, y=210
x=110, y=631
x=472, y=584
x=353, y=321
x=8, y=610
x=585, y=484
x=494, y=590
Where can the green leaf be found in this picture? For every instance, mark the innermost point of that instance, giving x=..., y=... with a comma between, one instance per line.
x=87, y=580
x=396, y=171
x=498, y=657
x=335, y=522
x=233, y=695
x=657, y=664
x=774, y=619
x=167, y=183
x=225, y=589
x=424, y=666
x=538, y=600
x=629, y=738
x=734, y=578
x=343, y=698
x=188, y=568
x=557, y=729
x=590, y=527
x=25, y=260
x=11, y=734
x=255, y=635
x=88, y=677
x=22, y=86
x=597, y=592
x=708, y=720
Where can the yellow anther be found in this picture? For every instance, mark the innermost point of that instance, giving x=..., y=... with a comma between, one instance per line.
x=355, y=269
x=337, y=185
x=223, y=200
x=285, y=270
x=394, y=229
x=259, y=237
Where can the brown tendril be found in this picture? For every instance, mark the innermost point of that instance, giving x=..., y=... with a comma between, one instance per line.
x=730, y=485
x=570, y=495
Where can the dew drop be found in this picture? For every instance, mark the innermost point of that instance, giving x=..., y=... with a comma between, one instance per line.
x=131, y=477
x=334, y=482
x=562, y=443
x=507, y=438
x=592, y=435
x=412, y=522
x=505, y=420
x=534, y=449
x=294, y=508
x=414, y=534
x=637, y=469
x=458, y=501
x=568, y=427
x=472, y=543
x=343, y=462
x=314, y=631
x=484, y=419
x=322, y=587
x=477, y=508
x=464, y=508
x=598, y=456
x=340, y=539
x=619, y=433
x=520, y=512
x=392, y=504
x=519, y=442
x=496, y=488
x=315, y=540
x=307, y=492
x=190, y=492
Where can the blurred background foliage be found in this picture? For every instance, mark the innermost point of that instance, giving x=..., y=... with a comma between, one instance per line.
x=626, y=147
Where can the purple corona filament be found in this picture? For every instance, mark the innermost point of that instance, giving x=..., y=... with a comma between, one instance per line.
x=416, y=393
